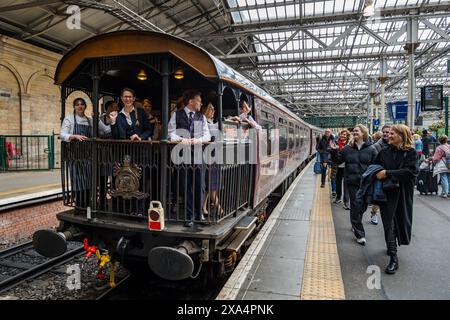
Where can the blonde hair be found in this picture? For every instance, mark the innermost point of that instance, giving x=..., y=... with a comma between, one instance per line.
x=364, y=131
x=377, y=135
x=416, y=136
x=146, y=102
x=405, y=133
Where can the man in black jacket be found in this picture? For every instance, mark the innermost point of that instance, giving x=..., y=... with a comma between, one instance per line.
x=323, y=147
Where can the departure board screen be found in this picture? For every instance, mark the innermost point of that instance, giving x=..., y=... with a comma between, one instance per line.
x=431, y=98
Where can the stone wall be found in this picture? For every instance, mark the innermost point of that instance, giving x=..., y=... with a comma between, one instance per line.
x=29, y=101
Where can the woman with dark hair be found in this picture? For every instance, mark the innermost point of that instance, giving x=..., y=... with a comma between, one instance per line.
x=398, y=176
x=78, y=127
x=132, y=123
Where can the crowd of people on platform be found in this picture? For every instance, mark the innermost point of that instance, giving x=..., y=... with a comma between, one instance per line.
x=380, y=171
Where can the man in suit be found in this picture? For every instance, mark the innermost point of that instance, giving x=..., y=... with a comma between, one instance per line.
x=189, y=126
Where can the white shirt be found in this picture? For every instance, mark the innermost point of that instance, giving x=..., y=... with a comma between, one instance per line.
x=243, y=116
x=68, y=126
x=201, y=130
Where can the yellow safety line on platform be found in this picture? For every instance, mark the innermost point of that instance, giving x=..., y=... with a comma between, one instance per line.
x=322, y=277
x=44, y=186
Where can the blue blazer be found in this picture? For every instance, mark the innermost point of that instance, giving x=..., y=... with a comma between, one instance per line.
x=139, y=125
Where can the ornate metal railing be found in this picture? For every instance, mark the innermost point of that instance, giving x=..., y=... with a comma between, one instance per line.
x=128, y=175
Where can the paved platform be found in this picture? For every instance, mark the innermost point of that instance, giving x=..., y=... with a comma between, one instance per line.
x=423, y=272
x=17, y=184
x=294, y=256
x=306, y=251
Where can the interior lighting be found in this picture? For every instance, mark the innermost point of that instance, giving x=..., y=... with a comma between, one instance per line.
x=142, y=75
x=369, y=9
x=179, y=74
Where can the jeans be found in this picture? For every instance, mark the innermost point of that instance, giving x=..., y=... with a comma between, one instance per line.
x=333, y=186
x=445, y=182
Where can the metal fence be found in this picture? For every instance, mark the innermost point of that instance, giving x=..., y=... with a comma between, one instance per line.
x=27, y=152
x=129, y=176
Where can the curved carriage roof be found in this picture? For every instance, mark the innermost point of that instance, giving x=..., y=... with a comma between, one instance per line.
x=133, y=42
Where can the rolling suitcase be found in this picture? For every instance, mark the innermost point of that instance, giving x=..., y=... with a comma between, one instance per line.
x=317, y=167
x=426, y=183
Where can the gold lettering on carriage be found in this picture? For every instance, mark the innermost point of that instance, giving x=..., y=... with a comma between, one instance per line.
x=127, y=180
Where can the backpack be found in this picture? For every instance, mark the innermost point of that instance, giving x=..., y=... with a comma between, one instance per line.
x=447, y=157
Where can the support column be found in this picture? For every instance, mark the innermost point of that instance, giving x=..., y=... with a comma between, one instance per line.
x=410, y=47
x=371, y=104
x=165, y=156
x=95, y=95
x=383, y=77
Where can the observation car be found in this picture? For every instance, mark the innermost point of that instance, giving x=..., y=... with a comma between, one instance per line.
x=135, y=208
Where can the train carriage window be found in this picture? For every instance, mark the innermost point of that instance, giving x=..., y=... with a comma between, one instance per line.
x=291, y=138
x=283, y=135
x=268, y=135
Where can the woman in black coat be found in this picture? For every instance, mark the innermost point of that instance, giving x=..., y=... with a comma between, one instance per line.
x=399, y=162
x=357, y=155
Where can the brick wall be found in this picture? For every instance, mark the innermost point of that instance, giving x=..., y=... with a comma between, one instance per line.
x=22, y=223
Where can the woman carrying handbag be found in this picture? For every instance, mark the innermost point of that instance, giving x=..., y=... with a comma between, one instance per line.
x=400, y=170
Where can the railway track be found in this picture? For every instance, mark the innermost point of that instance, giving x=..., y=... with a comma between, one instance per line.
x=21, y=263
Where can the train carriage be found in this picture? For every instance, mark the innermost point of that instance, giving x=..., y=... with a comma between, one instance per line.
x=133, y=184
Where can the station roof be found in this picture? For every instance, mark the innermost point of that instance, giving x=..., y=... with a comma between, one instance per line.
x=315, y=56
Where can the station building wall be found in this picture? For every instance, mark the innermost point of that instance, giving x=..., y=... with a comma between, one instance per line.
x=29, y=101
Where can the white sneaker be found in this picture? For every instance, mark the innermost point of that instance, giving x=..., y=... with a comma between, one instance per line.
x=362, y=241
x=374, y=219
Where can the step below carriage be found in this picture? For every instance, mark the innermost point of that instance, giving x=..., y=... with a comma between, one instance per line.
x=126, y=178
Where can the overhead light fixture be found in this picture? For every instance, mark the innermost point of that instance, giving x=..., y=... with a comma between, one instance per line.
x=179, y=74
x=142, y=75
x=369, y=9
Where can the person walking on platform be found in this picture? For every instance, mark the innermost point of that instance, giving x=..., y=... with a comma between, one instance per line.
x=341, y=189
x=357, y=155
x=428, y=141
x=323, y=147
x=399, y=174
x=441, y=159
x=418, y=145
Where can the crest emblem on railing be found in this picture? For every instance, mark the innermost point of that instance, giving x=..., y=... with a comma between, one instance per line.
x=127, y=180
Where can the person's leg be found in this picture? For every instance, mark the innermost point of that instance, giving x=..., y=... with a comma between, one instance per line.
x=324, y=173
x=373, y=214
x=199, y=189
x=355, y=214
x=346, y=195
x=444, y=183
x=187, y=188
x=333, y=186
x=339, y=176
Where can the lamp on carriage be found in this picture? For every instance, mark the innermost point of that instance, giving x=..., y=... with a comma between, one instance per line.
x=179, y=74
x=142, y=75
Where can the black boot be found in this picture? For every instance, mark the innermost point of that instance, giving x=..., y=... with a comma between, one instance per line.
x=393, y=265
